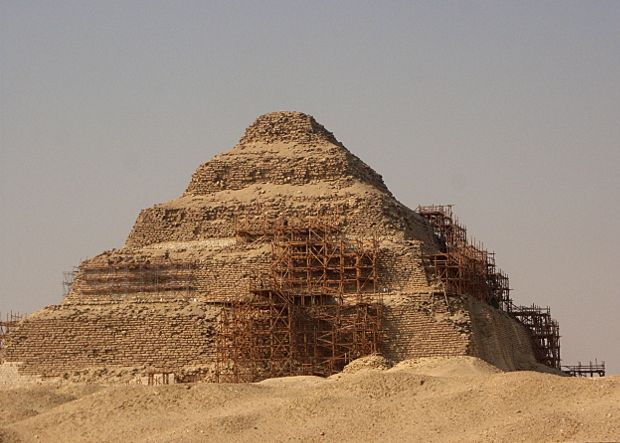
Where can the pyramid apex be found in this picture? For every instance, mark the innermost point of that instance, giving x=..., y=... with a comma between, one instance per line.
x=287, y=127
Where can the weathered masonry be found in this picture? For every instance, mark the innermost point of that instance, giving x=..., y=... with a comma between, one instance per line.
x=286, y=255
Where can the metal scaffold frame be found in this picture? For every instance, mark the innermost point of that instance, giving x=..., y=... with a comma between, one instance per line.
x=313, y=262
x=466, y=268
x=463, y=266
x=12, y=318
x=317, y=310
x=589, y=370
x=68, y=280
x=544, y=330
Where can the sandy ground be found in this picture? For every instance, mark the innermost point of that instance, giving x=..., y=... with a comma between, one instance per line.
x=458, y=399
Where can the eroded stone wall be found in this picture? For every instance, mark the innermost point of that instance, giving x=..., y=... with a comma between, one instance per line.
x=220, y=272
x=60, y=340
x=197, y=219
x=223, y=278
x=500, y=340
x=430, y=325
x=287, y=126
x=401, y=268
x=334, y=166
x=422, y=325
x=175, y=337
x=283, y=148
x=11, y=378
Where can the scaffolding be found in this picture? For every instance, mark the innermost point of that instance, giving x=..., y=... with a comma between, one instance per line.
x=463, y=266
x=159, y=378
x=466, y=268
x=315, y=264
x=68, y=280
x=589, y=370
x=317, y=310
x=544, y=331
x=12, y=318
x=155, y=280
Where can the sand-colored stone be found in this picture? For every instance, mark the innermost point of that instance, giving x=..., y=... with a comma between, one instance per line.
x=286, y=166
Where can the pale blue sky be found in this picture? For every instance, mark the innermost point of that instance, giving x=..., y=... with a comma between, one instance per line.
x=508, y=110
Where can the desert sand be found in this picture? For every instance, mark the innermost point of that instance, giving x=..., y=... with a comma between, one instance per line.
x=459, y=399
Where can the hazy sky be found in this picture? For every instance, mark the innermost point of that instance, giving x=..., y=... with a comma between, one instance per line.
x=508, y=110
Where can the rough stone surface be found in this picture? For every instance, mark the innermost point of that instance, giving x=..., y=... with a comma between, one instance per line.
x=286, y=166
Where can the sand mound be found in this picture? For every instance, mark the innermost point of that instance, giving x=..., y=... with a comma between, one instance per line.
x=302, y=380
x=398, y=404
x=462, y=366
x=368, y=362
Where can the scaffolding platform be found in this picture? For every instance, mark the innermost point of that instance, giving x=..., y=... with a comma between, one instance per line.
x=463, y=266
x=590, y=370
x=316, y=311
x=544, y=330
